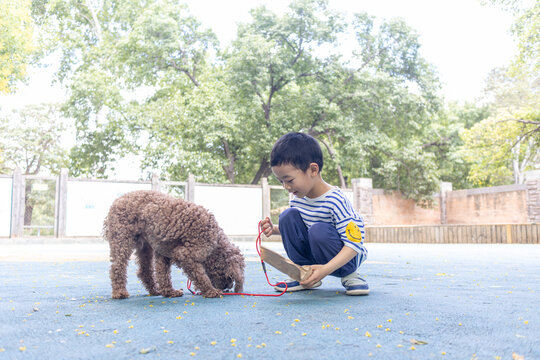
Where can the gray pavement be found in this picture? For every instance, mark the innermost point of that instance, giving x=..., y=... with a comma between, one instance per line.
x=427, y=301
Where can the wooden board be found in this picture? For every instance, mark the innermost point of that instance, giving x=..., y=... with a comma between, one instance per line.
x=285, y=265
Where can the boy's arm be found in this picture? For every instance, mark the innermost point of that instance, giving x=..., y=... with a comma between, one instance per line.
x=321, y=271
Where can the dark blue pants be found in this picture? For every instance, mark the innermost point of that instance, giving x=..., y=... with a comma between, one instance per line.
x=318, y=245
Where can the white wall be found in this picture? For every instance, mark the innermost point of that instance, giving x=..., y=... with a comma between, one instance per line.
x=88, y=203
x=5, y=206
x=237, y=210
x=349, y=195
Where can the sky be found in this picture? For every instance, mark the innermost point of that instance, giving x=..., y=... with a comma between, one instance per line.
x=462, y=39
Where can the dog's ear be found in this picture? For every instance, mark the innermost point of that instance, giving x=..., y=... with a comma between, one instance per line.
x=236, y=272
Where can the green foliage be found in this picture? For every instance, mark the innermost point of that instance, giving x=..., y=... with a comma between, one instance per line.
x=31, y=139
x=498, y=151
x=16, y=42
x=146, y=79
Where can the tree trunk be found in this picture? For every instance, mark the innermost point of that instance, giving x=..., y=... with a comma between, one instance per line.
x=332, y=153
x=264, y=171
x=28, y=205
x=229, y=168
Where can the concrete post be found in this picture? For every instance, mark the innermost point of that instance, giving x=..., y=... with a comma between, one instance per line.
x=265, y=198
x=363, y=198
x=445, y=188
x=156, y=184
x=532, y=181
x=61, y=204
x=190, y=188
x=17, y=204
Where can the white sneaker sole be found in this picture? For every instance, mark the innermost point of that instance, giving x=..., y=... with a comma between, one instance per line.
x=297, y=288
x=357, y=292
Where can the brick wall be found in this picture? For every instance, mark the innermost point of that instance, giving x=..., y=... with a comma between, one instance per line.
x=512, y=204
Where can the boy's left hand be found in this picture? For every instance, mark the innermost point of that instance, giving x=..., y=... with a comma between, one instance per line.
x=319, y=272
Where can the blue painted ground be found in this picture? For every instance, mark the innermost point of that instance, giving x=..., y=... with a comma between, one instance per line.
x=427, y=302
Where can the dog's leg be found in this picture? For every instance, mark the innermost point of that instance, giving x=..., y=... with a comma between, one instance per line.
x=145, y=257
x=163, y=275
x=196, y=272
x=118, y=273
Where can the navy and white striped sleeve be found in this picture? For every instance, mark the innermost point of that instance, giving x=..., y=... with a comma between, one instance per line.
x=343, y=214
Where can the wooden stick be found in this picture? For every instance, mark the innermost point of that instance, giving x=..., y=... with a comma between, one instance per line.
x=285, y=265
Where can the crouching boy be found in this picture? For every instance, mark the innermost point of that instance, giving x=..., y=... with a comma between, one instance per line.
x=320, y=228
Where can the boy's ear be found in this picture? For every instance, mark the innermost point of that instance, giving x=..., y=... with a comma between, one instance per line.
x=314, y=168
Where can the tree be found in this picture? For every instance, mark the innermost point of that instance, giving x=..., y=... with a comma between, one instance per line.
x=498, y=151
x=272, y=57
x=217, y=114
x=517, y=86
x=31, y=140
x=110, y=50
x=446, y=143
x=16, y=42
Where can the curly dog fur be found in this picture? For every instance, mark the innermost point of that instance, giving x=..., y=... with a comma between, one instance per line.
x=164, y=230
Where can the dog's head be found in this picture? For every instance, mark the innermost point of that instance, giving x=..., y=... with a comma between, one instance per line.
x=227, y=268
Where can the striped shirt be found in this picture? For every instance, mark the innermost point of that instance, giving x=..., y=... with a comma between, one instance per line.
x=334, y=208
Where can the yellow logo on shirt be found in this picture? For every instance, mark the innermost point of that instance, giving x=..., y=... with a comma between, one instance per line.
x=353, y=232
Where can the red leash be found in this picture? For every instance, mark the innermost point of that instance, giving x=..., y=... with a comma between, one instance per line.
x=257, y=246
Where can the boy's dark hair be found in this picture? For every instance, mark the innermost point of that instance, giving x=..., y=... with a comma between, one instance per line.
x=298, y=150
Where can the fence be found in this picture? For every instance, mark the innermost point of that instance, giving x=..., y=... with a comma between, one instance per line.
x=72, y=207
x=443, y=234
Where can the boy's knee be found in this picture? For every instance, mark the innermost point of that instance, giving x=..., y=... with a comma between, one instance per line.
x=319, y=232
x=289, y=215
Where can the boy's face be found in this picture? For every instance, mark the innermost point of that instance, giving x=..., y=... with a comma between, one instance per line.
x=296, y=181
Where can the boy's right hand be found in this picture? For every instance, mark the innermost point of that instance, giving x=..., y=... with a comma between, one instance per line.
x=267, y=227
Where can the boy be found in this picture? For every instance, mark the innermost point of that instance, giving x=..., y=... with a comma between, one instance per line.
x=320, y=228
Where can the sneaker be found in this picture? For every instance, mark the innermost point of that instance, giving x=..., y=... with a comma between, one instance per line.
x=354, y=285
x=293, y=285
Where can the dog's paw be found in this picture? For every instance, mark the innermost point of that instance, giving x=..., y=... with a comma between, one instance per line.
x=120, y=294
x=154, y=292
x=212, y=293
x=173, y=293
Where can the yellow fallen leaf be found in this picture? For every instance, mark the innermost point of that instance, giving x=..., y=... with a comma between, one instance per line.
x=367, y=334
x=147, y=350
x=418, y=342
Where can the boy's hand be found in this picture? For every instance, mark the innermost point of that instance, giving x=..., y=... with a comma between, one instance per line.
x=319, y=272
x=267, y=227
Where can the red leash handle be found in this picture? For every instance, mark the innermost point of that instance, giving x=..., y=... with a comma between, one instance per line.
x=257, y=247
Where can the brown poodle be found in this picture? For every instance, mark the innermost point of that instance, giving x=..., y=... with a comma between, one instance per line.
x=164, y=230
